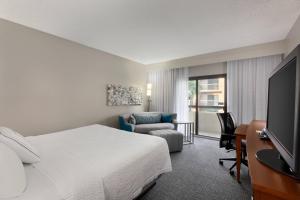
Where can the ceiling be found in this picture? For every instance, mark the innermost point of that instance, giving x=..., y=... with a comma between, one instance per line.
x=151, y=31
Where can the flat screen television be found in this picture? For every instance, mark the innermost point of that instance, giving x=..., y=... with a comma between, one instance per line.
x=283, y=126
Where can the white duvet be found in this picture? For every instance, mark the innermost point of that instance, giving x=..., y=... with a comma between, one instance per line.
x=95, y=163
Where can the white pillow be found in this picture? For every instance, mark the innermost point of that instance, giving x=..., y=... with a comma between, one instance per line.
x=12, y=173
x=18, y=143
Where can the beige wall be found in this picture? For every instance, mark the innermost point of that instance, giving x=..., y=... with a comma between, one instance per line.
x=267, y=49
x=49, y=84
x=209, y=69
x=293, y=37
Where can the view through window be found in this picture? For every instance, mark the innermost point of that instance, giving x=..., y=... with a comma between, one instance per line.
x=206, y=98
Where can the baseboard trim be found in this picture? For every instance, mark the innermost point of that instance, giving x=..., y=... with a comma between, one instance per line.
x=207, y=137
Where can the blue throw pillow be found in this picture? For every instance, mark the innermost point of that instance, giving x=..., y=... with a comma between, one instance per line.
x=147, y=118
x=166, y=118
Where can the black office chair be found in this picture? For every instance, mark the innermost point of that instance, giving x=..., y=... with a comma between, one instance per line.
x=227, y=139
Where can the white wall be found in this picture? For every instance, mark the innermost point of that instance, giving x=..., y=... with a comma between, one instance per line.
x=49, y=84
x=293, y=37
x=273, y=48
x=209, y=69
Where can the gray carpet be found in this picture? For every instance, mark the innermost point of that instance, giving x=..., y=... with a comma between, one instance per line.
x=197, y=175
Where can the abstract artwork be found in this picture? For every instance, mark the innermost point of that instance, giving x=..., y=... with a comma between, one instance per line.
x=118, y=95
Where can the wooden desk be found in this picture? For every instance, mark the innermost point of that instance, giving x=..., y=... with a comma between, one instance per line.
x=267, y=183
x=240, y=134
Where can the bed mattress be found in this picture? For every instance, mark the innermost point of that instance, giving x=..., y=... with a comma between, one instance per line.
x=94, y=162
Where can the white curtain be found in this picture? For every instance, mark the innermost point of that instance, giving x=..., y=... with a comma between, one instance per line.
x=170, y=91
x=247, y=86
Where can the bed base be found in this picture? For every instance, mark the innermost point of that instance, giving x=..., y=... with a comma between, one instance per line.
x=146, y=188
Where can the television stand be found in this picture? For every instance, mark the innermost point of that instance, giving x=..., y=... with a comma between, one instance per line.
x=272, y=159
x=267, y=184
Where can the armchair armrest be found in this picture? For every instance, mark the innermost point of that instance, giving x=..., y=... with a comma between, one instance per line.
x=174, y=121
x=124, y=125
x=169, y=118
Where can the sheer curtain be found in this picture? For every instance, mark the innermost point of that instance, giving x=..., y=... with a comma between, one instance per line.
x=247, y=86
x=170, y=91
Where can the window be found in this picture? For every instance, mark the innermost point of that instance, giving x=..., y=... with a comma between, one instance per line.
x=207, y=96
x=212, y=100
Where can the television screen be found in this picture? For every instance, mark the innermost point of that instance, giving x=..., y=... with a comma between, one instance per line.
x=281, y=106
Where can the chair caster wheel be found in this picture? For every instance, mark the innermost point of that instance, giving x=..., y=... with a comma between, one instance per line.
x=220, y=162
x=231, y=173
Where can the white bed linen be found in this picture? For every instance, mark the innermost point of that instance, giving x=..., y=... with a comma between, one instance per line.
x=98, y=162
x=38, y=186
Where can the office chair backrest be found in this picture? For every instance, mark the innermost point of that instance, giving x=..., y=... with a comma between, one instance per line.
x=228, y=126
x=227, y=122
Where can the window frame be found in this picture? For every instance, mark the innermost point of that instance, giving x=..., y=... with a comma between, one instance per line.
x=197, y=106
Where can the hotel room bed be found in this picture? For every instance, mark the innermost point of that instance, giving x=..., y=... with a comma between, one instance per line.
x=94, y=163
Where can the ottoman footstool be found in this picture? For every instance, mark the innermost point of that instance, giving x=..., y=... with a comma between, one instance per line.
x=173, y=138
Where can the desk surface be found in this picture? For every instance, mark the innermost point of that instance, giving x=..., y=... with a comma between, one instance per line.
x=265, y=181
x=241, y=130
